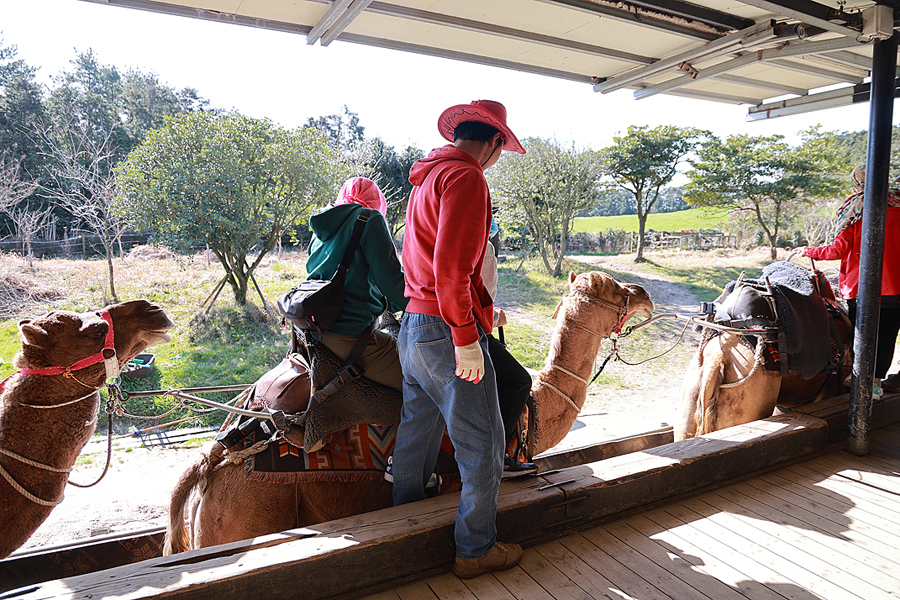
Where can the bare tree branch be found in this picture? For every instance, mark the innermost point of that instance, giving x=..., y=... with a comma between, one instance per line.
x=84, y=182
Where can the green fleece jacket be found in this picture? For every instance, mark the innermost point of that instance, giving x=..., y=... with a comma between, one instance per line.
x=374, y=280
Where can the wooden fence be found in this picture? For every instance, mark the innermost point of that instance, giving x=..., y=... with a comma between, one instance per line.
x=80, y=246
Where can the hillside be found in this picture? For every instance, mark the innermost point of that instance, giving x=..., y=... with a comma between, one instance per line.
x=695, y=218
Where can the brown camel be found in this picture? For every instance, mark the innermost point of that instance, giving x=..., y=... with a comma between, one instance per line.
x=49, y=407
x=727, y=385
x=228, y=507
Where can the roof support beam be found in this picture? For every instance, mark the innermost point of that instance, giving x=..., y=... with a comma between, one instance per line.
x=813, y=102
x=354, y=10
x=763, y=85
x=205, y=15
x=509, y=33
x=642, y=19
x=761, y=33
x=772, y=55
x=454, y=55
x=813, y=13
x=702, y=95
x=331, y=15
x=802, y=67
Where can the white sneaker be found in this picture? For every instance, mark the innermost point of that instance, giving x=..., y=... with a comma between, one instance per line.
x=434, y=482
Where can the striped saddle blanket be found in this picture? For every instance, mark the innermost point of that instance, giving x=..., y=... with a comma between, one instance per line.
x=358, y=453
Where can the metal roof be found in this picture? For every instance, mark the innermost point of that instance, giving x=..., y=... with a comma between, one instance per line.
x=776, y=55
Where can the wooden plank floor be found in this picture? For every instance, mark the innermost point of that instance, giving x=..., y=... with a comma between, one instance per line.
x=828, y=528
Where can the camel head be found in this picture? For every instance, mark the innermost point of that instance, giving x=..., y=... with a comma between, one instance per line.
x=61, y=338
x=594, y=290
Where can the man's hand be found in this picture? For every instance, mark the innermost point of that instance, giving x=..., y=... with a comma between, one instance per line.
x=469, y=362
x=499, y=318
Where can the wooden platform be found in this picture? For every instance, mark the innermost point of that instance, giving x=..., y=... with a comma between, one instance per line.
x=566, y=516
x=827, y=527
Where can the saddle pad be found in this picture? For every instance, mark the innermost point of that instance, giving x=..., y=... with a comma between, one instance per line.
x=361, y=401
x=359, y=453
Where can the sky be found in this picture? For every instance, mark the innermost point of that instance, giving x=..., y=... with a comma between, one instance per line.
x=397, y=95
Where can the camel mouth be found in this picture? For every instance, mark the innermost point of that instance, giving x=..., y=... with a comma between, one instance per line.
x=157, y=338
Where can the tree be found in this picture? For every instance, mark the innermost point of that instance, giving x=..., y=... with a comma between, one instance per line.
x=643, y=161
x=14, y=190
x=28, y=223
x=229, y=182
x=383, y=165
x=145, y=103
x=21, y=109
x=87, y=97
x=84, y=183
x=343, y=131
x=766, y=177
x=544, y=190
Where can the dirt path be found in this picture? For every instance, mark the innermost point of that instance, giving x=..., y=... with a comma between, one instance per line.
x=632, y=399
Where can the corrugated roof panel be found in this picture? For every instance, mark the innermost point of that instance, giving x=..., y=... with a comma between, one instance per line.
x=574, y=40
x=296, y=12
x=414, y=32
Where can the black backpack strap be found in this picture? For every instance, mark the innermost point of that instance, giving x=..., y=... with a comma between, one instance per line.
x=361, y=220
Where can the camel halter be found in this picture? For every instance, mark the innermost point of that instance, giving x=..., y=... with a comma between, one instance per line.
x=620, y=309
x=112, y=371
x=111, y=364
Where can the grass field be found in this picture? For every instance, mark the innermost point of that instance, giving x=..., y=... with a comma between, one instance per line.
x=695, y=218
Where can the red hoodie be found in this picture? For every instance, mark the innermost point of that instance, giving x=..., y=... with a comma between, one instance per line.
x=447, y=222
x=847, y=246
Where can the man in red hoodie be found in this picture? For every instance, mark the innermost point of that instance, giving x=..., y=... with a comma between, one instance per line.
x=448, y=377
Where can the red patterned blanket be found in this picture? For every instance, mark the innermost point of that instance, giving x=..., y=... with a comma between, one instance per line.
x=359, y=453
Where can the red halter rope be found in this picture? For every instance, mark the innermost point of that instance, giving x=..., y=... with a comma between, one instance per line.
x=93, y=359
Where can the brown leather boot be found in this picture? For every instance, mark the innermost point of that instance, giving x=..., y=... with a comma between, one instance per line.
x=891, y=383
x=501, y=557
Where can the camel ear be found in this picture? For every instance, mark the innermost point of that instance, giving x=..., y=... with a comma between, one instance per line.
x=635, y=289
x=33, y=335
x=572, y=277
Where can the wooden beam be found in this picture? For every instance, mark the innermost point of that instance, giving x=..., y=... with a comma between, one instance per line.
x=382, y=549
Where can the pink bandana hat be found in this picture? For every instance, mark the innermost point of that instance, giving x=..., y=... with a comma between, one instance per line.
x=364, y=191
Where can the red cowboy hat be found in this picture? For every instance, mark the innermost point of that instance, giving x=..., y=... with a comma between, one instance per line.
x=483, y=111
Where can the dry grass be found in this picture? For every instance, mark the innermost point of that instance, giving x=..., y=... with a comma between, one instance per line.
x=19, y=291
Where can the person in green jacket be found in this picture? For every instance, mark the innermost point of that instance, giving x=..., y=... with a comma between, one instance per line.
x=374, y=281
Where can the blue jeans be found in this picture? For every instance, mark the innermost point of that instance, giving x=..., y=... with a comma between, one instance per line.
x=432, y=396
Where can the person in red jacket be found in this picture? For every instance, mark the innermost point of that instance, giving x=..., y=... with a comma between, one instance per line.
x=448, y=377
x=846, y=247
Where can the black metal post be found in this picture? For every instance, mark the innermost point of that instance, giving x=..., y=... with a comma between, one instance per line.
x=878, y=154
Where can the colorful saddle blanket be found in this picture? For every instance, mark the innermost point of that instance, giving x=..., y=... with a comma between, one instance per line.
x=359, y=453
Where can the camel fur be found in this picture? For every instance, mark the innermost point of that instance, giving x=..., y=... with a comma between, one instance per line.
x=706, y=406
x=223, y=506
x=53, y=436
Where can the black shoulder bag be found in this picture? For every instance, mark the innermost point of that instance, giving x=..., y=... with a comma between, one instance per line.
x=316, y=304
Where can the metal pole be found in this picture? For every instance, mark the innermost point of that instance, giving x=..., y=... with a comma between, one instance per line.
x=881, y=109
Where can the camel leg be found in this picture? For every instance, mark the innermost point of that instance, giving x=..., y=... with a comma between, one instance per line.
x=752, y=400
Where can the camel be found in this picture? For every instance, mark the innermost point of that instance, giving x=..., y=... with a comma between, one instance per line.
x=49, y=406
x=228, y=507
x=726, y=384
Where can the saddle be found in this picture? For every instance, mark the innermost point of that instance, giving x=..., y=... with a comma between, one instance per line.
x=790, y=304
x=288, y=388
